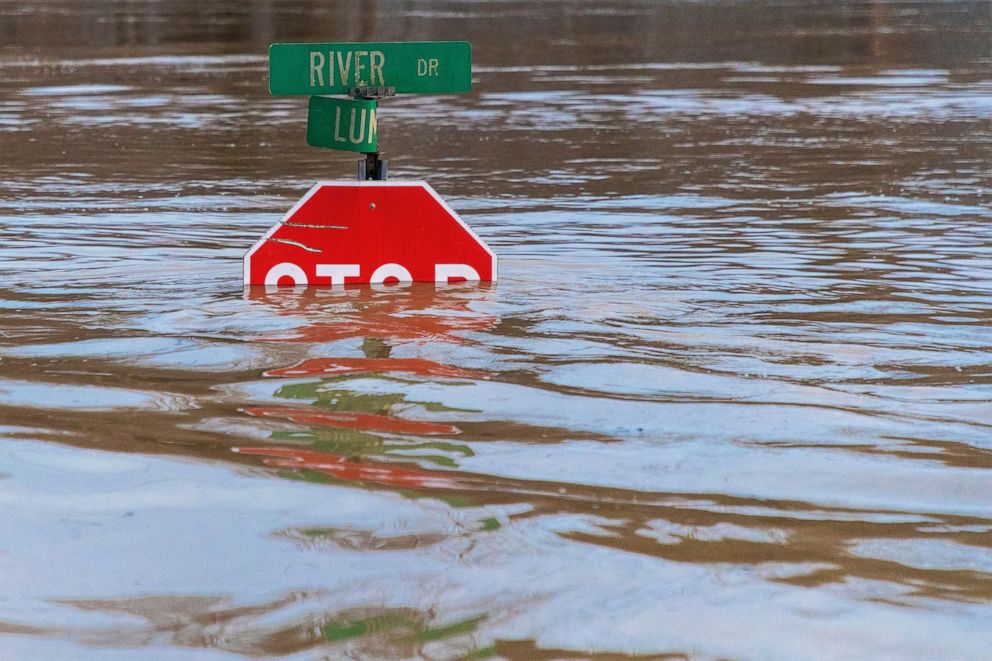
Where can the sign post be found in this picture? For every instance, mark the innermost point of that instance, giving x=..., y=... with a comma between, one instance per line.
x=370, y=231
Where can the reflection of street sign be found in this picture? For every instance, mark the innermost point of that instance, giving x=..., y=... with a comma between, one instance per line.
x=315, y=416
x=340, y=366
x=421, y=312
x=339, y=467
x=348, y=124
x=419, y=67
x=369, y=231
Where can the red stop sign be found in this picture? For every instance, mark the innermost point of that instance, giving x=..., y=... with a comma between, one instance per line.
x=369, y=231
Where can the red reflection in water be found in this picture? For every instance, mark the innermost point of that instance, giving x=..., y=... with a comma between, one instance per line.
x=414, y=312
x=352, y=420
x=336, y=366
x=411, y=327
x=339, y=467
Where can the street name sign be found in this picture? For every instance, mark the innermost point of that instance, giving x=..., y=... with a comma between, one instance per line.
x=347, y=124
x=378, y=232
x=416, y=67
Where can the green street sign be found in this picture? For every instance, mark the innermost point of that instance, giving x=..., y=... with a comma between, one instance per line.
x=416, y=67
x=348, y=124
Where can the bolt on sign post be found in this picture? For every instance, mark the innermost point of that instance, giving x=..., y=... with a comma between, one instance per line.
x=369, y=231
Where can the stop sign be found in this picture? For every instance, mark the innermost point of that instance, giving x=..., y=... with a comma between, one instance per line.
x=345, y=232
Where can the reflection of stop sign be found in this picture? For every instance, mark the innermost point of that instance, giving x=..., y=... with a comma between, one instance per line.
x=369, y=231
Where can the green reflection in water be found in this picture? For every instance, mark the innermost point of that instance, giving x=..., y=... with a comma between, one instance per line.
x=306, y=475
x=490, y=524
x=360, y=445
x=454, y=500
x=402, y=626
x=343, y=399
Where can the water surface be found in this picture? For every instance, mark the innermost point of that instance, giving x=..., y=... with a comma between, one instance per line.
x=731, y=398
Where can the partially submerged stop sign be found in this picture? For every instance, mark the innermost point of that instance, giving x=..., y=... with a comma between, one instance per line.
x=369, y=232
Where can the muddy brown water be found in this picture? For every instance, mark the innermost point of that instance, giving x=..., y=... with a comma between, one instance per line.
x=731, y=398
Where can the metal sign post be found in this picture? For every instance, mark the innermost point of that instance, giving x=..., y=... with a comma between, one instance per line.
x=372, y=168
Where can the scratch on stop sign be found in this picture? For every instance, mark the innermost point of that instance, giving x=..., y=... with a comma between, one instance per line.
x=315, y=227
x=290, y=242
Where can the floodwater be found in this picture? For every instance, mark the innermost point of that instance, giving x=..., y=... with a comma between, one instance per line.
x=731, y=398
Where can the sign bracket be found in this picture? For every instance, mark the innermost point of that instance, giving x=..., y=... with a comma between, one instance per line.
x=371, y=168
x=371, y=93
